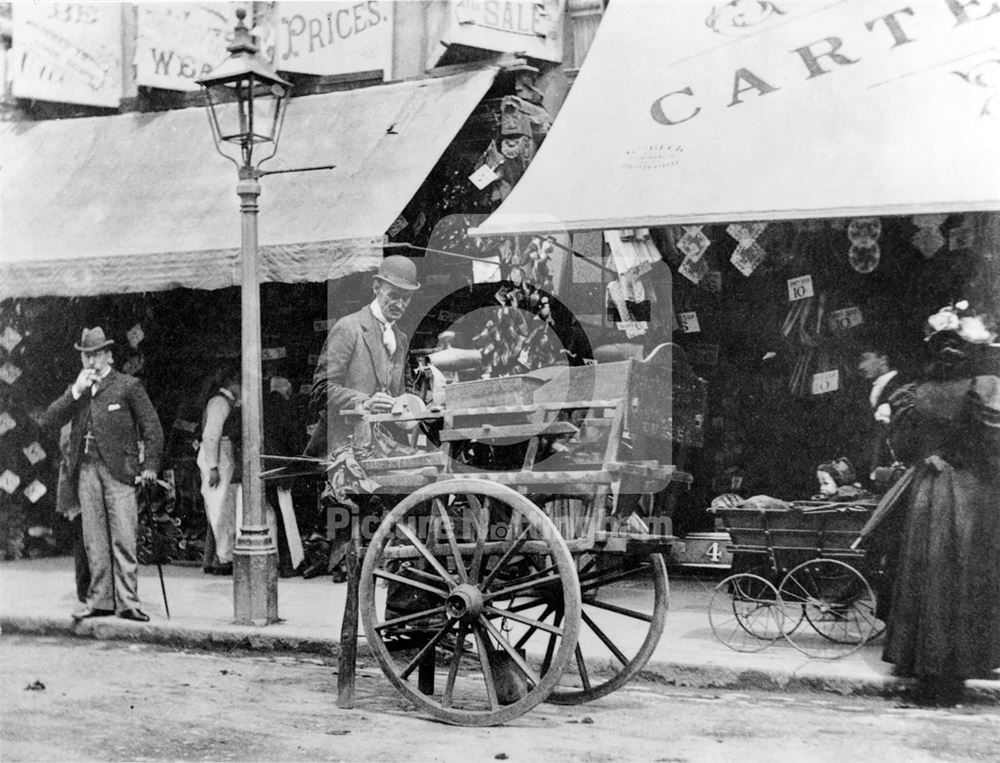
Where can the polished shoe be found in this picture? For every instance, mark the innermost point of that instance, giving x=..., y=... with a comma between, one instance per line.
x=339, y=575
x=84, y=612
x=134, y=614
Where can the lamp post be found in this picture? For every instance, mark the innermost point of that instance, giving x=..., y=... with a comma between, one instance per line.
x=246, y=107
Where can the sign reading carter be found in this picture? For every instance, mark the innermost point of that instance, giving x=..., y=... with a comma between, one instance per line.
x=179, y=42
x=752, y=110
x=531, y=27
x=333, y=37
x=68, y=52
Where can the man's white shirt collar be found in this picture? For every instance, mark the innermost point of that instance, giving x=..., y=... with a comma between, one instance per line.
x=879, y=384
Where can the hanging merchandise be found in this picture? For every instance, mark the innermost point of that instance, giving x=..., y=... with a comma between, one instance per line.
x=693, y=244
x=806, y=329
x=928, y=239
x=748, y=254
x=865, y=253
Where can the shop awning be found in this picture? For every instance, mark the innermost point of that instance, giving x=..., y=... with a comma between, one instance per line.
x=704, y=111
x=142, y=202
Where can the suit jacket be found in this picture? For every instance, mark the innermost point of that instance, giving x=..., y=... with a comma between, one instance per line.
x=880, y=453
x=121, y=416
x=353, y=365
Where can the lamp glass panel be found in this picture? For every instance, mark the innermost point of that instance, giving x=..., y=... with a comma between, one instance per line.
x=229, y=111
x=268, y=106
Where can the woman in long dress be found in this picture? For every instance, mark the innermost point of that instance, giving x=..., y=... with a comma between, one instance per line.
x=944, y=626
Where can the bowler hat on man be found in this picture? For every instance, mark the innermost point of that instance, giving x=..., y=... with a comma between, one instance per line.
x=93, y=340
x=399, y=271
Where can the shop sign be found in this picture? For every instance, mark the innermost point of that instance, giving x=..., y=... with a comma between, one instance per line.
x=333, y=37
x=827, y=381
x=800, y=288
x=529, y=27
x=176, y=43
x=67, y=52
x=848, y=318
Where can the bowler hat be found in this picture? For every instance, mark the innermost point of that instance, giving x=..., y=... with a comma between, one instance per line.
x=399, y=271
x=93, y=340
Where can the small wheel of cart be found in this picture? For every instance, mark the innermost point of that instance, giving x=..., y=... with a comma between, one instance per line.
x=837, y=602
x=470, y=565
x=746, y=613
x=623, y=633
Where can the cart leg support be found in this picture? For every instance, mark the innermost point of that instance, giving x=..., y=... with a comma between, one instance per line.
x=347, y=658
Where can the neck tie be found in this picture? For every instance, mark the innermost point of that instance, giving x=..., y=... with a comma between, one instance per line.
x=388, y=339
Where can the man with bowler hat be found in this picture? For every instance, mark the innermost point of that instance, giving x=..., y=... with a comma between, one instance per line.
x=362, y=364
x=110, y=414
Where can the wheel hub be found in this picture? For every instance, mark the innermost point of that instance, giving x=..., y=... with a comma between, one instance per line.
x=464, y=603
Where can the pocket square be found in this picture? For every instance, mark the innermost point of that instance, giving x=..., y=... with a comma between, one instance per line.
x=114, y=407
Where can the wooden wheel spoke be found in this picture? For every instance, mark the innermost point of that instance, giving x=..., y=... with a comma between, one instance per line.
x=426, y=554
x=482, y=532
x=604, y=578
x=550, y=647
x=621, y=611
x=515, y=547
x=483, y=643
x=532, y=630
x=581, y=667
x=514, y=654
x=504, y=593
x=604, y=639
x=386, y=575
x=403, y=619
x=529, y=621
x=449, y=529
x=428, y=647
x=456, y=659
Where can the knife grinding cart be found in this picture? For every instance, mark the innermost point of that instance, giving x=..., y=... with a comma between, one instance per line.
x=487, y=588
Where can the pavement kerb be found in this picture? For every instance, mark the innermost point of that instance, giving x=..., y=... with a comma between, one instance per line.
x=698, y=675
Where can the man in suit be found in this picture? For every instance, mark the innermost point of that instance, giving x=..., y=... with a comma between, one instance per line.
x=362, y=364
x=876, y=365
x=110, y=414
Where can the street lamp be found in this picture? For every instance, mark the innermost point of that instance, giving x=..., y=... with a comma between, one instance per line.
x=246, y=106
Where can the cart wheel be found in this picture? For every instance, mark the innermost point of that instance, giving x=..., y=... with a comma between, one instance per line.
x=465, y=562
x=745, y=613
x=837, y=602
x=621, y=635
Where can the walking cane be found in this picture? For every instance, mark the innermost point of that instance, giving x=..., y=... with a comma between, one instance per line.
x=144, y=492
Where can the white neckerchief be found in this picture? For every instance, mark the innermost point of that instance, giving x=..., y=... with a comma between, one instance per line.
x=388, y=337
x=878, y=385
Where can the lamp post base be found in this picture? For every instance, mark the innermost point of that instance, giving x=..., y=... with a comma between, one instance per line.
x=255, y=577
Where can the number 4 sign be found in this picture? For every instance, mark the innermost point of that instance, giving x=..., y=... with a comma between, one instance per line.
x=800, y=288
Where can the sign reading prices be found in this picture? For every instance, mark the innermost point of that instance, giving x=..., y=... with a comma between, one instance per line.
x=179, y=42
x=67, y=52
x=530, y=27
x=333, y=37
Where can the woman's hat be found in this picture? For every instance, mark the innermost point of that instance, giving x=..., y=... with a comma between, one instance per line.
x=399, y=271
x=964, y=322
x=93, y=340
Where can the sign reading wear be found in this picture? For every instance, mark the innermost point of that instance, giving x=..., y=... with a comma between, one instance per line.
x=333, y=37
x=529, y=27
x=177, y=43
x=779, y=110
x=68, y=52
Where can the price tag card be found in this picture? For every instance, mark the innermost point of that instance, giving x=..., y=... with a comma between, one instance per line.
x=6, y=423
x=848, y=318
x=828, y=381
x=9, y=481
x=323, y=325
x=9, y=372
x=483, y=177
x=747, y=256
x=693, y=269
x=34, y=453
x=34, y=491
x=800, y=288
x=689, y=322
x=10, y=338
